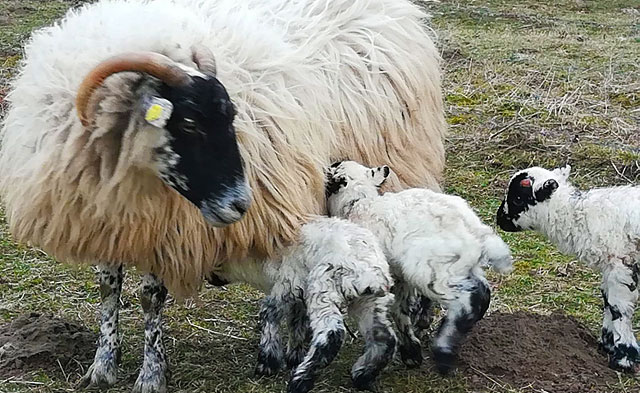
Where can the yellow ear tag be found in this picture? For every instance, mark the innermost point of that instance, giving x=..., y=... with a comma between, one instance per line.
x=153, y=113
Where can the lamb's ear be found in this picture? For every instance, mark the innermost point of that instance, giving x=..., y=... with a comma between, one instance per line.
x=546, y=190
x=563, y=173
x=380, y=174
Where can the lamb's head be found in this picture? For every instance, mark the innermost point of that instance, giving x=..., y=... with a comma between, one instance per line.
x=348, y=182
x=529, y=190
x=197, y=153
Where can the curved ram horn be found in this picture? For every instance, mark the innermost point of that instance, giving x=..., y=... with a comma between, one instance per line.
x=151, y=63
x=204, y=59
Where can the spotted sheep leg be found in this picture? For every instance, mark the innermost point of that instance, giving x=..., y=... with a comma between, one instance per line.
x=468, y=306
x=298, y=322
x=327, y=327
x=104, y=370
x=410, y=347
x=620, y=294
x=380, y=339
x=270, y=349
x=152, y=377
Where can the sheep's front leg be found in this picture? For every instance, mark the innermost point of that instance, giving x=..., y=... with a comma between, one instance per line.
x=152, y=377
x=469, y=305
x=410, y=347
x=422, y=312
x=620, y=294
x=104, y=370
x=380, y=339
x=298, y=322
x=270, y=352
x=327, y=327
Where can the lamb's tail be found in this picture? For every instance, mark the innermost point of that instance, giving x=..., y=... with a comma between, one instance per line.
x=497, y=254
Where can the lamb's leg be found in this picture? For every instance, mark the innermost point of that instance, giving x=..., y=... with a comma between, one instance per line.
x=104, y=370
x=270, y=352
x=327, y=326
x=620, y=293
x=410, y=347
x=422, y=312
x=469, y=306
x=380, y=339
x=298, y=331
x=152, y=378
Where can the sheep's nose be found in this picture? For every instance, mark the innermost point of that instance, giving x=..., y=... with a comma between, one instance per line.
x=228, y=208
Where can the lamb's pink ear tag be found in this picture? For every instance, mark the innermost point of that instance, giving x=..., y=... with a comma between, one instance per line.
x=525, y=183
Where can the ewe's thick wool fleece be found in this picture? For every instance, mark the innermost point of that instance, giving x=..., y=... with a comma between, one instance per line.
x=313, y=81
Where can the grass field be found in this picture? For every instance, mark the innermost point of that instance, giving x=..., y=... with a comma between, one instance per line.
x=531, y=82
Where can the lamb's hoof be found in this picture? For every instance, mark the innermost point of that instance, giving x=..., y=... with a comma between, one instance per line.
x=364, y=381
x=151, y=382
x=411, y=355
x=268, y=365
x=102, y=374
x=445, y=361
x=300, y=385
x=295, y=357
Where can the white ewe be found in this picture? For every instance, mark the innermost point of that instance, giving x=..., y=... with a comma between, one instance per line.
x=154, y=148
x=601, y=227
x=334, y=265
x=433, y=242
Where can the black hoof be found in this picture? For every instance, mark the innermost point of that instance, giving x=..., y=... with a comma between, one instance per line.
x=300, y=385
x=268, y=365
x=364, y=382
x=411, y=355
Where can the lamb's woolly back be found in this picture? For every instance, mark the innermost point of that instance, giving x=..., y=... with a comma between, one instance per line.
x=412, y=216
x=595, y=225
x=312, y=82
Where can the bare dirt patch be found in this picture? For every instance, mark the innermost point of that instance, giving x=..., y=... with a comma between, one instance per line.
x=35, y=341
x=553, y=353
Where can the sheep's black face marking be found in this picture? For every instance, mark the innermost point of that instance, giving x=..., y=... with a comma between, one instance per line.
x=203, y=161
x=517, y=201
x=334, y=182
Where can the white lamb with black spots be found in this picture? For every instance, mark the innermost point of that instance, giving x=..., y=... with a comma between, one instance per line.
x=601, y=227
x=335, y=265
x=434, y=244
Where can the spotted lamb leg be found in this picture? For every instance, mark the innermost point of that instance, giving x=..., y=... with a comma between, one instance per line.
x=298, y=322
x=410, y=346
x=620, y=294
x=422, y=312
x=469, y=306
x=104, y=370
x=270, y=352
x=380, y=340
x=152, y=377
x=327, y=327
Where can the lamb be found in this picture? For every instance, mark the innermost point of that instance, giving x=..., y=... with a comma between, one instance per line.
x=334, y=265
x=433, y=242
x=601, y=227
x=123, y=143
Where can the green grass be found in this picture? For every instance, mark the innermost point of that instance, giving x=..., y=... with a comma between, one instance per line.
x=526, y=83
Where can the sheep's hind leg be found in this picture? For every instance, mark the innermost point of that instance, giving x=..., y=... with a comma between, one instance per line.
x=298, y=331
x=152, y=377
x=469, y=306
x=620, y=294
x=380, y=339
x=270, y=352
x=410, y=346
x=327, y=326
x=104, y=370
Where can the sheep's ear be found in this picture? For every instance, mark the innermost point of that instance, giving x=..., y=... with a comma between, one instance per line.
x=380, y=174
x=546, y=190
x=564, y=172
x=157, y=111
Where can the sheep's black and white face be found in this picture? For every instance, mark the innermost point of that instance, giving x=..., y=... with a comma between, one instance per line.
x=527, y=189
x=202, y=160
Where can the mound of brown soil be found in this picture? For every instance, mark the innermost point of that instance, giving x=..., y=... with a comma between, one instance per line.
x=34, y=341
x=554, y=353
